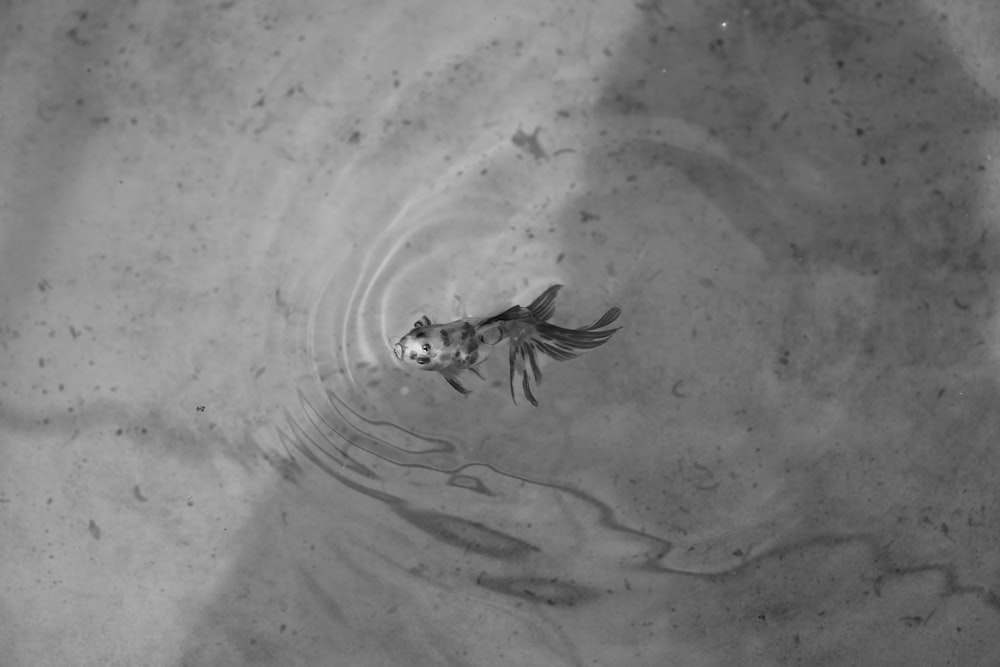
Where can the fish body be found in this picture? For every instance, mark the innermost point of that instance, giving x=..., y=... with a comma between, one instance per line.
x=464, y=344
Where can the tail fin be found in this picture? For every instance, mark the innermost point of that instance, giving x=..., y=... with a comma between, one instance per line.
x=559, y=343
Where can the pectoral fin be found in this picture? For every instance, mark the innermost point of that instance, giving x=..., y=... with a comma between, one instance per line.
x=456, y=385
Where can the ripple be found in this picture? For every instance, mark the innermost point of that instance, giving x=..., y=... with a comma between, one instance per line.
x=400, y=233
x=474, y=242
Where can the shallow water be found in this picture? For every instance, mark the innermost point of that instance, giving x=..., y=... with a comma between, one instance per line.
x=218, y=219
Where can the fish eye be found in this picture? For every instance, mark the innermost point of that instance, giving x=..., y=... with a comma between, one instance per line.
x=422, y=361
x=425, y=347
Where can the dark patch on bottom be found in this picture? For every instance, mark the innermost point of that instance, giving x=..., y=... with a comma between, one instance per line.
x=469, y=535
x=544, y=591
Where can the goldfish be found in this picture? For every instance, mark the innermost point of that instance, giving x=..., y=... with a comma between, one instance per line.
x=463, y=345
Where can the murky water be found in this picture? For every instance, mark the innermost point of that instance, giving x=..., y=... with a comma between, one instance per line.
x=218, y=219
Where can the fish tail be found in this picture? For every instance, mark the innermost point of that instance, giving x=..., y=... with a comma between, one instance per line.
x=557, y=342
x=563, y=344
x=606, y=319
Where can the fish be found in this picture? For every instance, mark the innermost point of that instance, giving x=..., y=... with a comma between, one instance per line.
x=463, y=345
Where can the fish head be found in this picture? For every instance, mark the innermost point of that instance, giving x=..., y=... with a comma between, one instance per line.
x=422, y=348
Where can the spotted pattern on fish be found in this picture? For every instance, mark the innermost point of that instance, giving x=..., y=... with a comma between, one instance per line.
x=464, y=344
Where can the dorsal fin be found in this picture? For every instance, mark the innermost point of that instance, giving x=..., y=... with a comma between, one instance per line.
x=539, y=310
x=544, y=306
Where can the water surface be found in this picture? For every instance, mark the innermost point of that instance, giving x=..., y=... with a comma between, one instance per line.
x=217, y=219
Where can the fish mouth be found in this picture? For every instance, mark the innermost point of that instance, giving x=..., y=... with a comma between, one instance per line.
x=397, y=350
